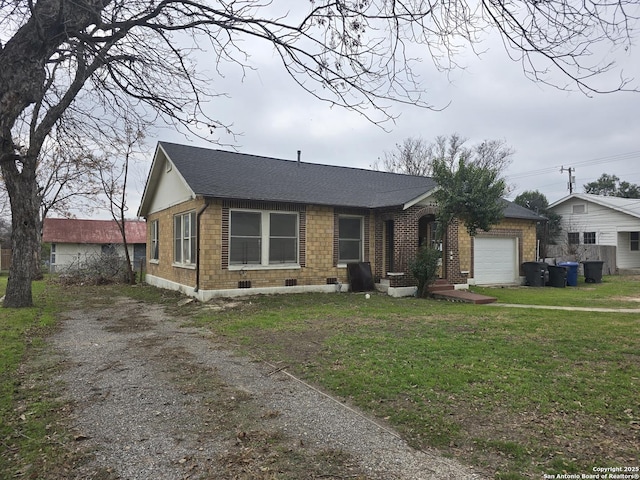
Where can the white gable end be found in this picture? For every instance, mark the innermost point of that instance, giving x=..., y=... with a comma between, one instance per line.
x=170, y=190
x=165, y=186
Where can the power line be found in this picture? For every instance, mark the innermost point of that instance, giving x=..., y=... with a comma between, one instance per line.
x=584, y=163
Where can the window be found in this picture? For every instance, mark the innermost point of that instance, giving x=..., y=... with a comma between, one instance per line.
x=263, y=238
x=283, y=238
x=155, y=246
x=246, y=238
x=634, y=241
x=589, y=238
x=574, y=238
x=578, y=209
x=184, y=235
x=349, y=239
x=53, y=253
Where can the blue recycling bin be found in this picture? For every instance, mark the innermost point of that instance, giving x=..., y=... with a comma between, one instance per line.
x=572, y=272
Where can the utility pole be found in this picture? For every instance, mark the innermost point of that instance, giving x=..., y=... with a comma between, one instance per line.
x=572, y=178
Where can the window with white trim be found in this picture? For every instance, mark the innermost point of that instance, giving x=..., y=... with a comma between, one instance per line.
x=350, y=238
x=634, y=241
x=155, y=244
x=184, y=238
x=263, y=238
x=589, y=238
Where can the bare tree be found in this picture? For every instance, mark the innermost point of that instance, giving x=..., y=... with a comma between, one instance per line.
x=89, y=62
x=415, y=157
x=67, y=181
x=114, y=179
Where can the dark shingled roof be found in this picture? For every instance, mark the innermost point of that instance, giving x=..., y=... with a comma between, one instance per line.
x=223, y=174
x=513, y=210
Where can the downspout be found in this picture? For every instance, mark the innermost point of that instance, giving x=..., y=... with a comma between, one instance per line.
x=198, y=215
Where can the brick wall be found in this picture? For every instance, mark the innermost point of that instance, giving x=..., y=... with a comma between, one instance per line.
x=164, y=267
x=317, y=244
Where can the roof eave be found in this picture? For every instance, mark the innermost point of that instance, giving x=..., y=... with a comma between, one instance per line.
x=419, y=198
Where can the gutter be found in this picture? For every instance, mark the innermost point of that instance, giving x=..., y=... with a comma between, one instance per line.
x=198, y=215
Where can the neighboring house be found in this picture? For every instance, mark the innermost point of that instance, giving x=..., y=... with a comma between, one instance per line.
x=220, y=223
x=76, y=241
x=599, y=220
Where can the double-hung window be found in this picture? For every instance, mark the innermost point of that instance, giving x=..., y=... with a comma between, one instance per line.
x=350, y=234
x=155, y=245
x=634, y=241
x=574, y=238
x=184, y=238
x=263, y=238
x=589, y=238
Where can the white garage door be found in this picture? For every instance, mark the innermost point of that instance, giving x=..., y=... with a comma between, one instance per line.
x=495, y=260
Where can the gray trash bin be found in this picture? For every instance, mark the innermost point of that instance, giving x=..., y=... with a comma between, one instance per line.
x=535, y=273
x=593, y=271
x=557, y=276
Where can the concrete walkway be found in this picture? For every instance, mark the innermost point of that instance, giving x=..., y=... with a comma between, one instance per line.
x=576, y=309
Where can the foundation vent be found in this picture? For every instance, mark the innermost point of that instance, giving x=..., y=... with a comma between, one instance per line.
x=291, y=282
x=244, y=284
x=332, y=280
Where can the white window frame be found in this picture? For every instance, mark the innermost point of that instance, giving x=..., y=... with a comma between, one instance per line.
x=52, y=258
x=188, y=243
x=265, y=236
x=154, y=256
x=343, y=262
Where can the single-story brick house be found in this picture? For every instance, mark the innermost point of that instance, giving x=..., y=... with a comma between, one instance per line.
x=74, y=241
x=223, y=223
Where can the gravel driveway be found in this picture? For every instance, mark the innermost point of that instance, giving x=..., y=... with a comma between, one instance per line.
x=157, y=400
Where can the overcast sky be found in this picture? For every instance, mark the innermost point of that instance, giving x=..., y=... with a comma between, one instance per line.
x=490, y=99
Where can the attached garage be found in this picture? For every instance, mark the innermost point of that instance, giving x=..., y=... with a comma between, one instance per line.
x=495, y=260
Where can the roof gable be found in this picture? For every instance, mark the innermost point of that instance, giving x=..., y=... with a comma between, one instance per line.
x=628, y=206
x=101, y=232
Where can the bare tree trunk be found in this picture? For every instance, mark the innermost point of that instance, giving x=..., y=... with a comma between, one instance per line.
x=24, y=239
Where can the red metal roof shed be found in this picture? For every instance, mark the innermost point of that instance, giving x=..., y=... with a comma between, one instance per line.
x=70, y=230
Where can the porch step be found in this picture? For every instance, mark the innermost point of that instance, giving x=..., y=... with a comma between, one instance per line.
x=440, y=285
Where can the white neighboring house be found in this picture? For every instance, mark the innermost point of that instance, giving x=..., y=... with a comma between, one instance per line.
x=75, y=241
x=599, y=220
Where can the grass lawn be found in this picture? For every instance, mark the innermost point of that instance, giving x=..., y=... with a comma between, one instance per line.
x=31, y=438
x=614, y=292
x=518, y=392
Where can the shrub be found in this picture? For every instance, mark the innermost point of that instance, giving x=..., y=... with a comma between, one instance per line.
x=424, y=268
x=96, y=270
